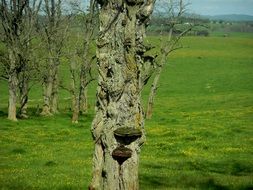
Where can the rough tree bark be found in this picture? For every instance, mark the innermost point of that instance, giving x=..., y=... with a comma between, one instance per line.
x=118, y=127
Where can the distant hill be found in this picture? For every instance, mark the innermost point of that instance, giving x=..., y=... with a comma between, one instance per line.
x=225, y=17
x=231, y=17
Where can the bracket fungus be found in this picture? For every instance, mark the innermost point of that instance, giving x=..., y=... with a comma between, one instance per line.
x=127, y=135
x=121, y=154
x=134, y=2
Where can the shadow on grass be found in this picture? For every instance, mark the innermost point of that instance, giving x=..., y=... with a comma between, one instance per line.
x=227, y=167
x=69, y=187
x=50, y=163
x=23, y=186
x=212, y=185
x=34, y=113
x=18, y=151
x=3, y=114
x=17, y=186
x=153, y=182
x=184, y=182
x=193, y=174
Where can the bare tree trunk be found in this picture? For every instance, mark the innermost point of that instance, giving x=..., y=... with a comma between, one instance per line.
x=50, y=89
x=55, y=86
x=75, y=102
x=83, y=99
x=12, y=98
x=83, y=103
x=73, y=85
x=23, y=92
x=75, y=114
x=85, y=68
x=118, y=127
x=13, y=87
x=153, y=89
x=47, y=93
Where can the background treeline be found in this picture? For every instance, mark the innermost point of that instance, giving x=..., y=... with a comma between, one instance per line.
x=160, y=22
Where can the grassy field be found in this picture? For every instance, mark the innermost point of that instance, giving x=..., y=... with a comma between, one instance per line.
x=200, y=136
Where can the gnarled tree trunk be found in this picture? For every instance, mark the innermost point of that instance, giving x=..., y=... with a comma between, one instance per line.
x=13, y=87
x=118, y=125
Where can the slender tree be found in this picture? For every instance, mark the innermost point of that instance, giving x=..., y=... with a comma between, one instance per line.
x=89, y=28
x=80, y=62
x=174, y=10
x=118, y=127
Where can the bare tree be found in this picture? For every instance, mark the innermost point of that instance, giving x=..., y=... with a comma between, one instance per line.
x=80, y=62
x=118, y=127
x=89, y=29
x=53, y=33
x=18, y=19
x=174, y=10
x=78, y=87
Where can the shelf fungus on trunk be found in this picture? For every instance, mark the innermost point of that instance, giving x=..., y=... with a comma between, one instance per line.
x=127, y=135
x=135, y=2
x=121, y=154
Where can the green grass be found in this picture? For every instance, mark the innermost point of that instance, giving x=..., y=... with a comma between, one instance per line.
x=200, y=136
x=45, y=153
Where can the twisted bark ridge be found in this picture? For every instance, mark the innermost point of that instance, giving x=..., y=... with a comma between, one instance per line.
x=118, y=125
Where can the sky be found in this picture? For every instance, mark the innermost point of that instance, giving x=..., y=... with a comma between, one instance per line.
x=217, y=7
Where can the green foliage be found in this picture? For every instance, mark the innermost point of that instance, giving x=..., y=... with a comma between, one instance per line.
x=199, y=138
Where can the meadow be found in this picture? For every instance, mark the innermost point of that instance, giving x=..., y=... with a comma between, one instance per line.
x=200, y=136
